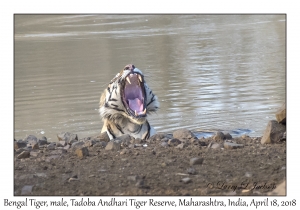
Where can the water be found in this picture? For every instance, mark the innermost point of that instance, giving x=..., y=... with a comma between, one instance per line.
x=209, y=72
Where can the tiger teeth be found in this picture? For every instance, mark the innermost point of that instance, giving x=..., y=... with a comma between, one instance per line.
x=140, y=78
x=145, y=110
x=128, y=80
x=135, y=113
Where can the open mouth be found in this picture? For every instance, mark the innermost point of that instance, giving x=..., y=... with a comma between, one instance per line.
x=134, y=95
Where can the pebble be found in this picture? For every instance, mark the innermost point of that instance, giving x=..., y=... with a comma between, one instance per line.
x=26, y=190
x=42, y=142
x=164, y=144
x=174, y=142
x=180, y=146
x=70, y=138
x=34, y=154
x=133, y=178
x=19, y=144
x=104, y=137
x=183, y=134
x=219, y=136
x=35, y=146
x=228, y=136
x=186, y=180
x=191, y=171
x=196, y=161
x=82, y=152
x=51, y=146
x=215, y=146
x=229, y=145
x=24, y=154
x=112, y=145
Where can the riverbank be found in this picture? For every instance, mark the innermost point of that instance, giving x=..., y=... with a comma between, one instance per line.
x=166, y=164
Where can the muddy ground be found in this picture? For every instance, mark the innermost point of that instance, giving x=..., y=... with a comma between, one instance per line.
x=162, y=165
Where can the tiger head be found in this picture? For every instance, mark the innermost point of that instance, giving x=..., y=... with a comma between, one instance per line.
x=128, y=96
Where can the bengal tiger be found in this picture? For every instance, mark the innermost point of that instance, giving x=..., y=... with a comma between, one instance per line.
x=125, y=104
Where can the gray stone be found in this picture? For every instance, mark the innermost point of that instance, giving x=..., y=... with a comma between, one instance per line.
x=125, y=138
x=61, y=143
x=35, y=146
x=42, y=142
x=30, y=139
x=230, y=145
x=164, y=144
x=51, y=146
x=165, y=139
x=174, y=142
x=34, y=154
x=273, y=133
x=219, y=136
x=101, y=144
x=24, y=154
x=26, y=190
x=77, y=145
x=215, y=146
x=113, y=146
x=133, y=178
x=183, y=134
x=18, y=145
x=67, y=137
x=196, y=161
x=89, y=143
x=281, y=114
x=68, y=146
x=181, y=146
x=82, y=152
x=228, y=136
x=157, y=136
x=191, y=171
x=186, y=180
x=20, y=150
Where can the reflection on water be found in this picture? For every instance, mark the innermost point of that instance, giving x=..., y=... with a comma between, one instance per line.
x=209, y=71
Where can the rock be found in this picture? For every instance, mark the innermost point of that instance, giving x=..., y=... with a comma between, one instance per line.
x=68, y=146
x=51, y=146
x=125, y=151
x=67, y=137
x=24, y=154
x=228, y=136
x=183, y=134
x=180, y=146
x=281, y=114
x=196, y=161
x=42, y=142
x=20, y=150
x=157, y=137
x=164, y=144
x=230, y=145
x=26, y=190
x=174, y=142
x=133, y=178
x=219, y=136
x=186, y=180
x=112, y=145
x=34, y=154
x=30, y=139
x=82, y=152
x=19, y=144
x=77, y=145
x=104, y=137
x=58, y=152
x=191, y=171
x=35, y=146
x=101, y=144
x=123, y=138
x=273, y=133
x=89, y=143
x=215, y=146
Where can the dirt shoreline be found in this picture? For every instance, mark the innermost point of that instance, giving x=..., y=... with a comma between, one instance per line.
x=163, y=165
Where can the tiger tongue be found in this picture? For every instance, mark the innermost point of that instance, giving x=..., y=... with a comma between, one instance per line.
x=136, y=105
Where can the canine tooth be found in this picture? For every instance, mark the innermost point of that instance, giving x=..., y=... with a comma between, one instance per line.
x=145, y=110
x=135, y=113
x=128, y=80
x=140, y=78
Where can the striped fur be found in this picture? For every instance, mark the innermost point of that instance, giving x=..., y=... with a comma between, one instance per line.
x=116, y=110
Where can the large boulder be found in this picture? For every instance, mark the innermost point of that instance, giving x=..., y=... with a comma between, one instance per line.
x=281, y=114
x=273, y=133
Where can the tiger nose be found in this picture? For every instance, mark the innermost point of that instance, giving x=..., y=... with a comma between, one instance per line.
x=130, y=67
